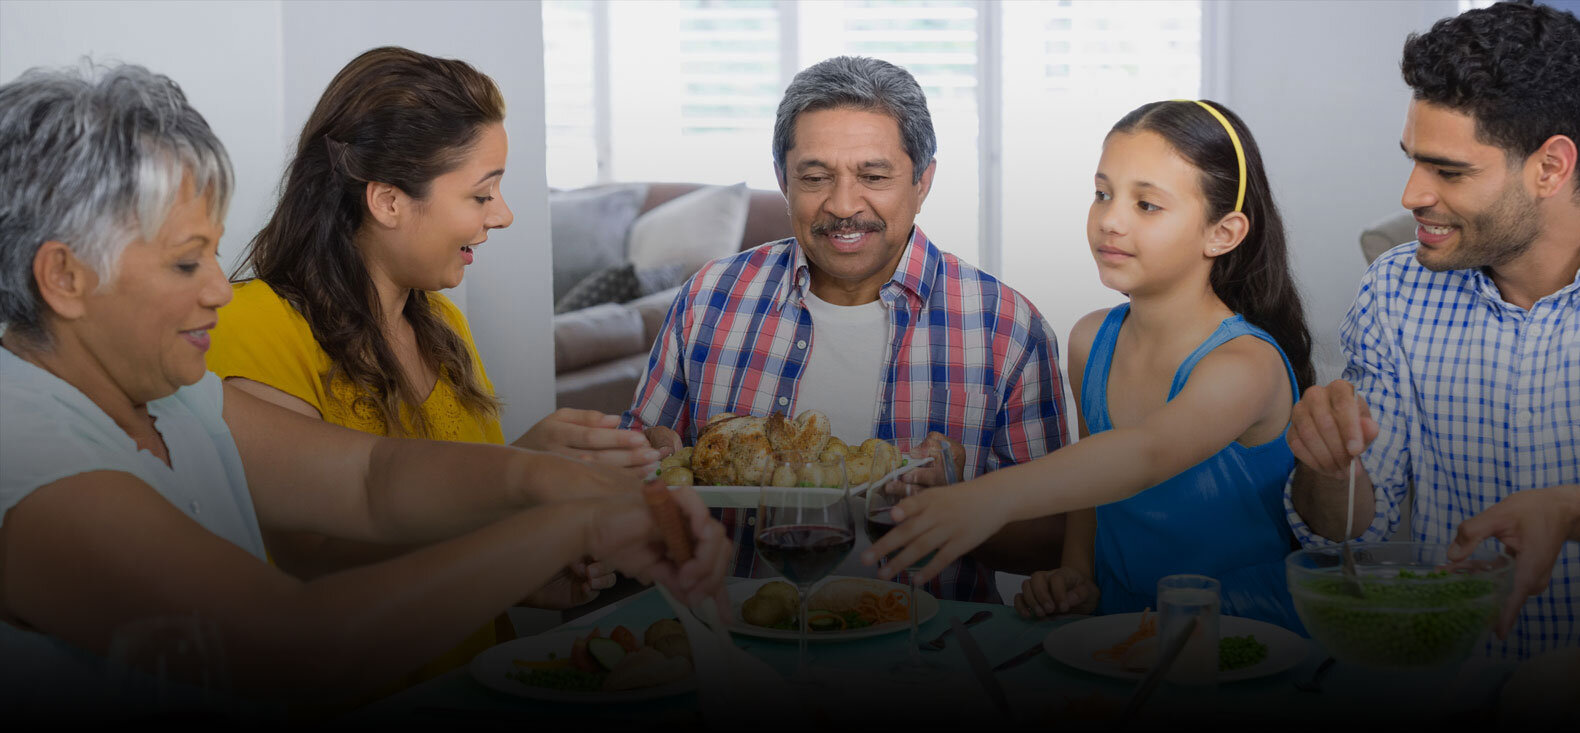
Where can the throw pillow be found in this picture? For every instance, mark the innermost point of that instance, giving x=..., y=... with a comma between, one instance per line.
x=587, y=230
x=660, y=278
x=619, y=284
x=616, y=284
x=691, y=230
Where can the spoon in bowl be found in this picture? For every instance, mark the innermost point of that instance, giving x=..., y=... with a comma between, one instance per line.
x=1351, y=585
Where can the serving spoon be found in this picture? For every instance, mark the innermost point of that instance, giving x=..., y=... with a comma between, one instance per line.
x=1351, y=585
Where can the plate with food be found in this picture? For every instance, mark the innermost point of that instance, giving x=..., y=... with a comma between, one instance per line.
x=733, y=457
x=579, y=667
x=840, y=609
x=1126, y=644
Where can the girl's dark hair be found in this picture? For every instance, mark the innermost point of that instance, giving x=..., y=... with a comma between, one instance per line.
x=391, y=116
x=1252, y=279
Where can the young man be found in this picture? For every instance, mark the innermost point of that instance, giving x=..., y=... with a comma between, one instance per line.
x=1464, y=347
x=861, y=317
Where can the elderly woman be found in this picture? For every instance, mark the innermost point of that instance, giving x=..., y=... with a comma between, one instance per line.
x=133, y=485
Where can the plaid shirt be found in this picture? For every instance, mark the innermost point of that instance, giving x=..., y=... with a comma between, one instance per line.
x=968, y=357
x=1477, y=399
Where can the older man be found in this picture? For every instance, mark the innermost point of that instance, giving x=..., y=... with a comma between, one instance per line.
x=861, y=317
x=1464, y=347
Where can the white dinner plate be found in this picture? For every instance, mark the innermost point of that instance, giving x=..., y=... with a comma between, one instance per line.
x=1075, y=642
x=926, y=606
x=493, y=666
x=745, y=497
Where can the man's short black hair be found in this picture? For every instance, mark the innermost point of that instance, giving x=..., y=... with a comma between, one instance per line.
x=1514, y=68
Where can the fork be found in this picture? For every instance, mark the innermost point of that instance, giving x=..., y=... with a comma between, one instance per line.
x=1314, y=683
x=937, y=644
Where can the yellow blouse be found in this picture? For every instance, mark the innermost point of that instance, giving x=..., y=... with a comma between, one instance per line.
x=263, y=338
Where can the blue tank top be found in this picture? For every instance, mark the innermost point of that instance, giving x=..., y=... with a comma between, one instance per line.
x=1223, y=517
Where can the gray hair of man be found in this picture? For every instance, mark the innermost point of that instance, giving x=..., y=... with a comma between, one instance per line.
x=94, y=157
x=862, y=83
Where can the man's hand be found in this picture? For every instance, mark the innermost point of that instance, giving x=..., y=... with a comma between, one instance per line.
x=949, y=458
x=573, y=586
x=1050, y=592
x=663, y=439
x=1329, y=426
x=1532, y=524
x=592, y=436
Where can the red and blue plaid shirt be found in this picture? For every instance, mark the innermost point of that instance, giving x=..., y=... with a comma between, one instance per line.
x=968, y=357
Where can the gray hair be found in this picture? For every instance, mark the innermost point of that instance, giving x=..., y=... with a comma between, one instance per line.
x=863, y=83
x=94, y=157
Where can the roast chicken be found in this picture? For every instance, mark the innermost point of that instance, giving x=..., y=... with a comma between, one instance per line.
x=735, y=450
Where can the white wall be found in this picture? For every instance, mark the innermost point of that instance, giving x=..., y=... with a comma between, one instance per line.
x=1318, y=83
x=254, y=69
x=202, y=47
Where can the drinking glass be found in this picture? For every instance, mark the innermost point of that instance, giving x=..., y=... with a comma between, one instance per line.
x=171, y=667
x=879, y=521
x=804, y=524
x=1191, y=683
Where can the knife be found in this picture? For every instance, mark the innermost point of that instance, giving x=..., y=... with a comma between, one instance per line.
x=1031, y=653
x=939, y=643
x=1150, y=682
x=979, y=666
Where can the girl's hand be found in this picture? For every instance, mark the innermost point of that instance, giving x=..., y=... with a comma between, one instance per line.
x=953, y=520
x=1050, y=592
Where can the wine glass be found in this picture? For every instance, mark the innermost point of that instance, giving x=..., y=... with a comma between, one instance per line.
x=804, y=524
x=880, y=504
x=171, y=667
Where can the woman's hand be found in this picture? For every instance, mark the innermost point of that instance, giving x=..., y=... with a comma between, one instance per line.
x=578, y=583
x=1050, y=592
x=592, y=436
x=622, y=531
x=953, y=520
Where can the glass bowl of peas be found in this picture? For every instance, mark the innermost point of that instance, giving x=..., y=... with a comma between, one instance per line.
x=1413, y=611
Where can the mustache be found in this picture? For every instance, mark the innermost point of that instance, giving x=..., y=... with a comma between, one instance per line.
x=1425, y=212
x=849, y=224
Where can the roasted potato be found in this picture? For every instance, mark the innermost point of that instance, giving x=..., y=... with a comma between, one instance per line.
x=677, y=476
x=781, y=590
x=766, y=611
x=662, y=628
x=674, y=645
x=681, y=458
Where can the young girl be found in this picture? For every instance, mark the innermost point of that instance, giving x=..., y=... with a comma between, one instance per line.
x=1185, y=392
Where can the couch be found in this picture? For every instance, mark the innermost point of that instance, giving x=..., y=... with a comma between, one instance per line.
x=600, y=352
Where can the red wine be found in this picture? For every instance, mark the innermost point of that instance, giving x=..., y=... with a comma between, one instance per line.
x=879, y=523
x=805, y=553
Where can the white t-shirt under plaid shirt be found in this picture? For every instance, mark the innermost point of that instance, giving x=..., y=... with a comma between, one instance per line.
x=1477, y=399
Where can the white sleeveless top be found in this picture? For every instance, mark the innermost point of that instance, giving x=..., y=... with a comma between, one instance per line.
x=48, y=431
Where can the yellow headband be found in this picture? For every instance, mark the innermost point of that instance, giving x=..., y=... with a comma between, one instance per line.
x=1239, y=152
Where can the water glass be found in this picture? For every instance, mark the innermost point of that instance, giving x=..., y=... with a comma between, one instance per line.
x=1190, y=686
x=170, y=667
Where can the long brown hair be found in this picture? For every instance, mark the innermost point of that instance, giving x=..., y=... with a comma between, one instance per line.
x=391, y=116
x=1253, y=279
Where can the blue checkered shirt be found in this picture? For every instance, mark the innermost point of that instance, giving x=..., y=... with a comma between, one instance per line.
x=1477, y=399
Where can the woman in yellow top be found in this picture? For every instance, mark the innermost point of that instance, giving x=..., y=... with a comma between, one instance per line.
x=396, y=179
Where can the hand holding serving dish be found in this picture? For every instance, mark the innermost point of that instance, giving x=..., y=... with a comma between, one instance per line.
x=733, y=458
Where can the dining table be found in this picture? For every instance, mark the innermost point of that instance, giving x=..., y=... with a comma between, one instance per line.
x=847, y=684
